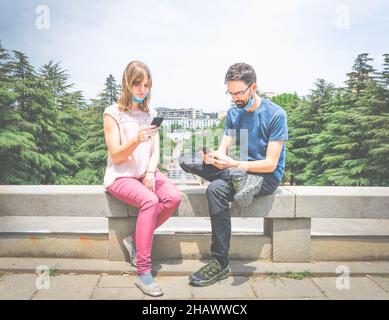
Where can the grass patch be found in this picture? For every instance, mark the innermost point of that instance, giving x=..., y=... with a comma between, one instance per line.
x=53, y=272
x=298, y=275
x=290, y=275
x=2, y=274
x=273, y=275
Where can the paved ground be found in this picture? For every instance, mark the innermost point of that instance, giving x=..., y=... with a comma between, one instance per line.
x=88, y=286
x=94, y=279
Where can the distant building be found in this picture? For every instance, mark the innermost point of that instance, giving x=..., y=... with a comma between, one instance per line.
x=190, y=123
x=181, y=113
x=188, y=118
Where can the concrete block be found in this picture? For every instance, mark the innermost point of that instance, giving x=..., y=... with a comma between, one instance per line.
x=119, y=228
x=341, y=202
x=59, y=200
x=279, y=204
x=291, y=240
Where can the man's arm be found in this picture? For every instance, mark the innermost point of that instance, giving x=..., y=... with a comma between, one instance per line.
x=267, y=165
x=225, y=144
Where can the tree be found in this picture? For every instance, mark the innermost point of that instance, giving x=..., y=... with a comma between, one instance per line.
x=69, y=106
x=93, y=150
x=14, y=138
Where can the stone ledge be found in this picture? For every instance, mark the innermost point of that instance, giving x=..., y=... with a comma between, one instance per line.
x=285, y=202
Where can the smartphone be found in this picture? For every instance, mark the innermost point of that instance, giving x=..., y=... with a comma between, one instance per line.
x=156, y=121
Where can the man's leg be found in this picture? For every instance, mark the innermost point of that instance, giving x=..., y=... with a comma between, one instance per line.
x=192, y=163
x=219, y=193
x=269, y=184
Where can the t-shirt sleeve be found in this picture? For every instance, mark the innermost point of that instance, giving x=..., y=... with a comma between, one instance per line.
x=112, y=112
x=228, y=125
x=279, y=126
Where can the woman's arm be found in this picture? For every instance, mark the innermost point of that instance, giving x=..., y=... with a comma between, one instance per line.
x=154, y=160
x=118, y=152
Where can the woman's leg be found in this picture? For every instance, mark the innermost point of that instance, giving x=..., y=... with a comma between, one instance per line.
x=134, y=193
x=169, y=197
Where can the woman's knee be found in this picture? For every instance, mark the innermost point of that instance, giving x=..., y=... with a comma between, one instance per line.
x=151, y=200
x=173, y=200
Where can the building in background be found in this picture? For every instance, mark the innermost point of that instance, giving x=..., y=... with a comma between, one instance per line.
x=188, y=118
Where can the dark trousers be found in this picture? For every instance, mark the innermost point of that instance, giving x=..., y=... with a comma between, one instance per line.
x=219, y=193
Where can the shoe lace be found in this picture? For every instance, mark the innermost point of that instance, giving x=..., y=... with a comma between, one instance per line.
x=212, y=267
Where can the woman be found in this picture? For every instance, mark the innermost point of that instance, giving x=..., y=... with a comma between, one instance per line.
x=131, y=174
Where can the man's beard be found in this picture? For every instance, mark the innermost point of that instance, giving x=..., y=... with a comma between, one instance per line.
x=241, y=103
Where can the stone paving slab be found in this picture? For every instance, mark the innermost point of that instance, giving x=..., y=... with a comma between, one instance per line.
x=286, y=288
x=103, y=287
x=360, y=288
x=17, y=286
x=174, y=288
x=383, y=282
x=108, y=281
x=116, y=294
x=230, y=288
x=67, y=287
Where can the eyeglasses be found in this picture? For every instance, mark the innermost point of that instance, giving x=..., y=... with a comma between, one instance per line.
x=239, y=93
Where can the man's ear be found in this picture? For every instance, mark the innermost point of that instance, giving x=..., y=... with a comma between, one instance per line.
x=254, y=87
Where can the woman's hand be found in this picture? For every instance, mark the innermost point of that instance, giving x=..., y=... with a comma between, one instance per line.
x=149, y=181
x=145, y=132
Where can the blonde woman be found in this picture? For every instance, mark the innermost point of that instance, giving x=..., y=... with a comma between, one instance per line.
x=131, y=174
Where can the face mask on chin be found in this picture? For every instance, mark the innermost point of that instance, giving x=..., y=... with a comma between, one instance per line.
x=246, y=107
x=137, y=99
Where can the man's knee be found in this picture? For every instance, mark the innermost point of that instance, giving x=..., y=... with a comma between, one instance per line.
x=187, y=161
x=218, y=189
x=182, y=162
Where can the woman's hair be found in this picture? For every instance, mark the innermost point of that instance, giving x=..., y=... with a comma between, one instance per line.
x=135, y=71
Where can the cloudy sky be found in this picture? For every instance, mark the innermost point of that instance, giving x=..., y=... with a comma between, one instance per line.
x=189, y=45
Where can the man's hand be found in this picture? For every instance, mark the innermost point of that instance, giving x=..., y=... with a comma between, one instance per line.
x=149, y=181
x=220, y=160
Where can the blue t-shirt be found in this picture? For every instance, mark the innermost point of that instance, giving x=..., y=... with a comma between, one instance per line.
x=254, y=130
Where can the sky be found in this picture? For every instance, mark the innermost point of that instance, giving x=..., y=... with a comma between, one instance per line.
x=189, y=45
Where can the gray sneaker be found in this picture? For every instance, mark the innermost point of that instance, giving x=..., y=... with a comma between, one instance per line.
x=130, y=246
x=246, y=187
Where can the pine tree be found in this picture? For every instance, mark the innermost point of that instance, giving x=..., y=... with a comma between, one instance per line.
x=360, y=75
x=351, y=131
x=14, y=138
x=69, y=122
x=35, y=103
x=93, y=151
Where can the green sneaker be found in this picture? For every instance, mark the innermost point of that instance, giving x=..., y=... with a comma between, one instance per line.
x=246, y=187
x=209, y=274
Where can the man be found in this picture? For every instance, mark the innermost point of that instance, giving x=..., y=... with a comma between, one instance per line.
x=260, y=128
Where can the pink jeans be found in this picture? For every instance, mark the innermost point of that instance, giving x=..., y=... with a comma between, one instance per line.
x=154, y=209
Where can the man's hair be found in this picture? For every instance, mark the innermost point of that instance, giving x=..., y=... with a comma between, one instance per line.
x=241, y=72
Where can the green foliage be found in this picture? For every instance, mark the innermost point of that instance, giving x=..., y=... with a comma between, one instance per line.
x=49, y=134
